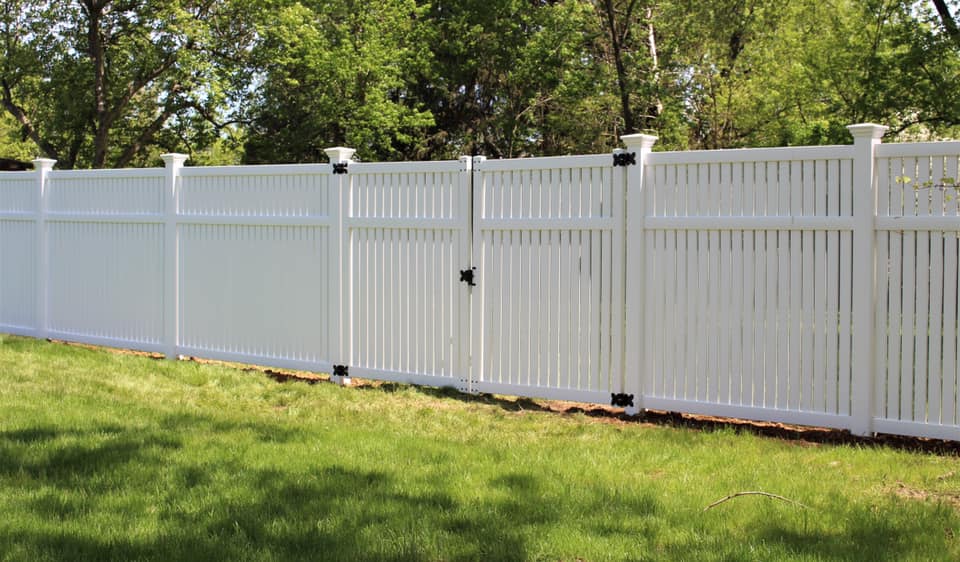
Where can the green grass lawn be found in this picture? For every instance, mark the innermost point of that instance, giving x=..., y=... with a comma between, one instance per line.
x=105, y=456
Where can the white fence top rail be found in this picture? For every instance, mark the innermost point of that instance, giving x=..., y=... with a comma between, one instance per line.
x=726, y=156
x=918, y=149
x=407, y=167
x=125, y=173
x=18, y=176
x=258, y=170
x=546, y=163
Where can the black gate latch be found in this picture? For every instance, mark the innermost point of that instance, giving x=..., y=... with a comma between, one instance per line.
x=466, y=276
x=625, y=159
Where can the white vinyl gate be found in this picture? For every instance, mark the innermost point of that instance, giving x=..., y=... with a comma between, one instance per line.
x=548, y=248
x=407, y=234
x=529, y=244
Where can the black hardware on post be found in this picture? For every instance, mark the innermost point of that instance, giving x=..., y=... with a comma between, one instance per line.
x=621, y=400
x=625, y=159
x=340, y=168
x=341, y=371
x=466, y=276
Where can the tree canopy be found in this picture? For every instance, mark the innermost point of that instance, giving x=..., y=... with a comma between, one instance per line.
x=114, y=83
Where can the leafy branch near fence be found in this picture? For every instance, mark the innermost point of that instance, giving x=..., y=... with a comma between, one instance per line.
x=950, y=186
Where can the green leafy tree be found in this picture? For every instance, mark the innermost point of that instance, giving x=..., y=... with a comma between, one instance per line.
x=336, y=73
x=105, y=83
x=12, y=143
x=514, y=78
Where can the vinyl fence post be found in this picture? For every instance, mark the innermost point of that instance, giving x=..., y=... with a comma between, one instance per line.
x=171, y=261
x=866, y=137
x=477, y=327
x=43, y=166
x=636, y=211
x=340, y=158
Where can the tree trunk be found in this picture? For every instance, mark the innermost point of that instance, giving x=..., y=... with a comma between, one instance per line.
x=95, y=48
x=946, y=18
x=616, y=46
x=655, y=107
x=21, y=116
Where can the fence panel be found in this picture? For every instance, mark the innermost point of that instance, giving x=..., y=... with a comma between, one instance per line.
x=548, y=246
x=257, y=266
x=406, y=230
x=748, y=283
x=744, y=299
x=18, y=252
x=918, y=336
x=104, y=232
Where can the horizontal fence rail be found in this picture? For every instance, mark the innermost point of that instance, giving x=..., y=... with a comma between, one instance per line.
x=808, y=285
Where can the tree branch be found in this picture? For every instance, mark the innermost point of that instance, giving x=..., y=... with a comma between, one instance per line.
x=949, y=24
x=136, y=86
x=21, y=116
x=765, y=494
x=145, y=137
x=209, y=118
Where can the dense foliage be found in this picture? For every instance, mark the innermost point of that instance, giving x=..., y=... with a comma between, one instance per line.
x=112, y=83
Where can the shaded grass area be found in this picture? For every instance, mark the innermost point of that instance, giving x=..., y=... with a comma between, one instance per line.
x=118, y=457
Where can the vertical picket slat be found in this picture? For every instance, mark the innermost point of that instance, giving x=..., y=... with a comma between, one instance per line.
x=922, y=289
x=951, y=285
x=936, y=295
x=656, y=187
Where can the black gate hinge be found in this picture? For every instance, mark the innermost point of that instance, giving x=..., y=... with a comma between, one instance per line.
x=341, y=371
x=625, y=159
x=466, y=276
x=340, y=168
x=621, y=400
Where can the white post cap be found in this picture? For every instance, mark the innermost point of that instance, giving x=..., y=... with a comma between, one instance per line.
x=639, y=141
x=339, y=154
x=867, y=130
x=174, y=160
x=43, y=163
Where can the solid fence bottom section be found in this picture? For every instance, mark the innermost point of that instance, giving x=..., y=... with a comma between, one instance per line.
x=917, y=429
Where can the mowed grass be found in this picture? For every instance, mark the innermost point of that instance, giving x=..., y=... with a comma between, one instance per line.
x=105, y=456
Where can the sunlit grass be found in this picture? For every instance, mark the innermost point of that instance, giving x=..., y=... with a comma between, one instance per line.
x=106, y=456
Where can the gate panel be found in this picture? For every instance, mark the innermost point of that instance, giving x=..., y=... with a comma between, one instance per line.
x=548, y=247
x=407, y=232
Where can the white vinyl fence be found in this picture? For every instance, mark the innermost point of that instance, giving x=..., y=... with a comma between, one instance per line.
x=807, y=285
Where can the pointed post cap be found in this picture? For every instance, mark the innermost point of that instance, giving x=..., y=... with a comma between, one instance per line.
x=43, y=164
x=867, y=130
x=174, y=160
x=639, y=141
x=340, y=154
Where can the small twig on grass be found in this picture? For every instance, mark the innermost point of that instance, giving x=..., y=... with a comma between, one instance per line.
x=765, y=494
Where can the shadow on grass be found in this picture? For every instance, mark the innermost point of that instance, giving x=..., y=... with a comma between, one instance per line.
x=516, y=404
x=341, y=514
x=68, y=483
x=57, y=456
x=866, y=536
x=265, y=433
x=225, y=508
x=811, y=435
